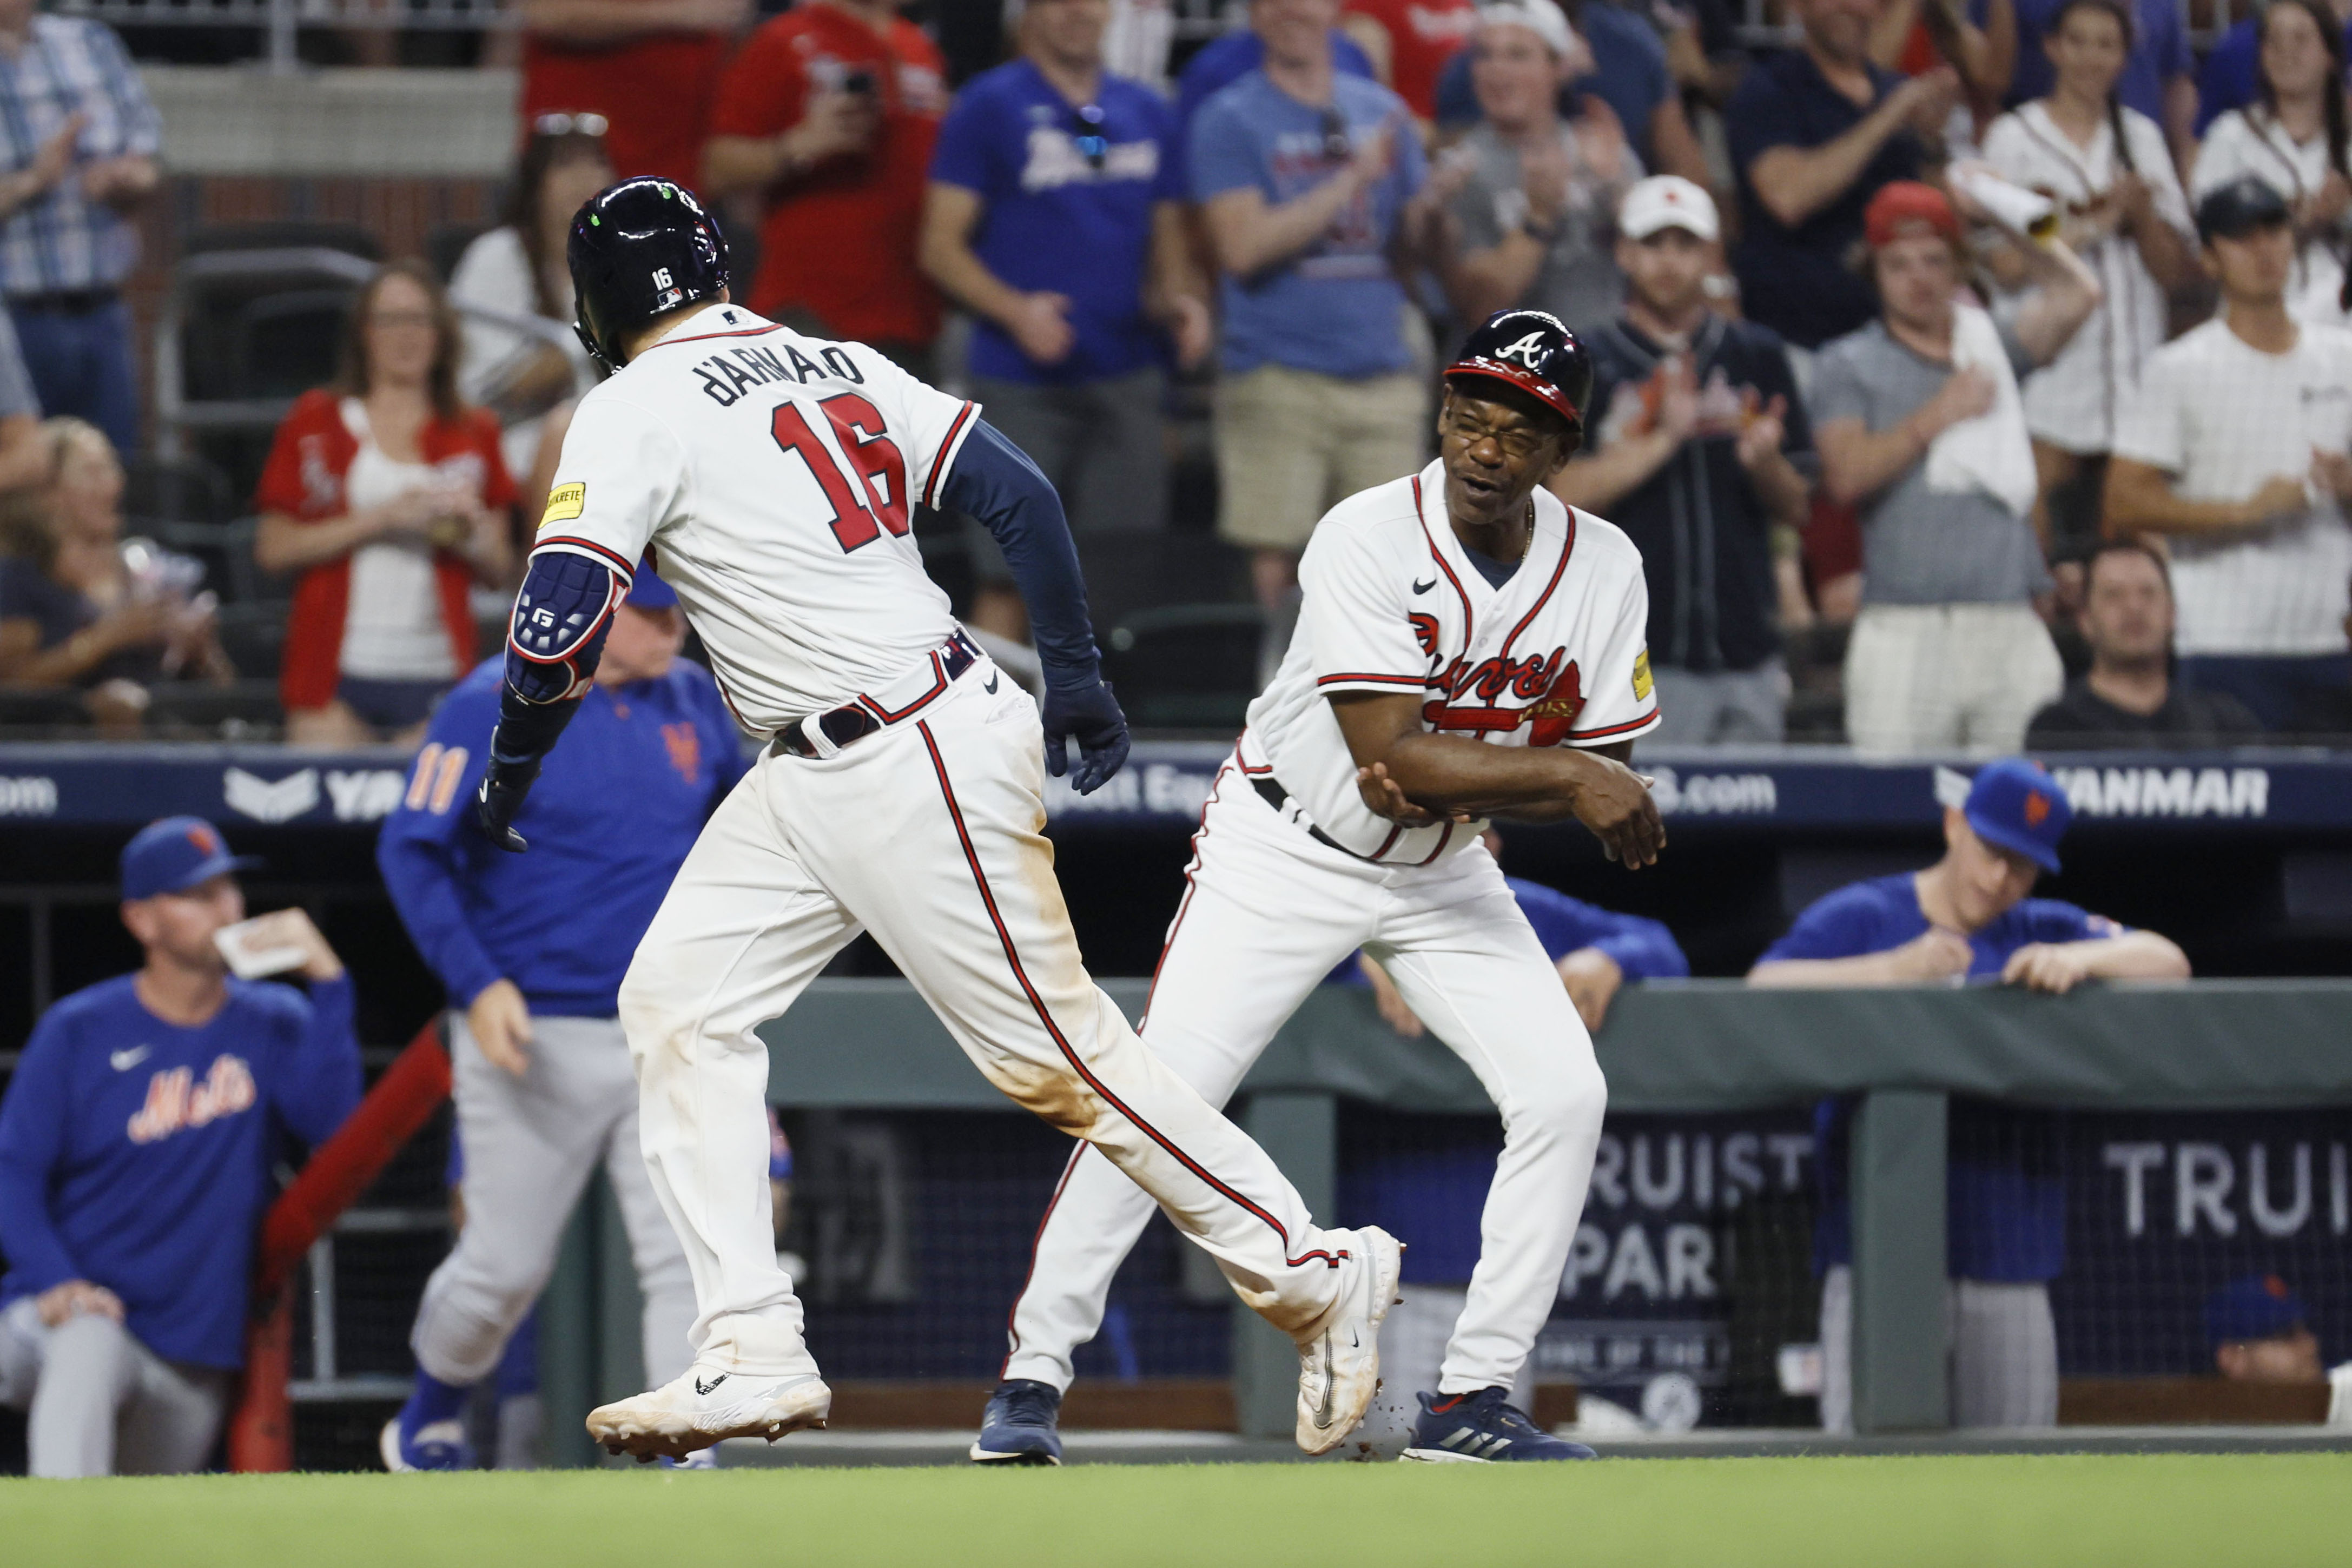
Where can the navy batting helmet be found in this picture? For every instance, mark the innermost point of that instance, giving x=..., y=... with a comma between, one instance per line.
x=1534, y=352
x=639, y=248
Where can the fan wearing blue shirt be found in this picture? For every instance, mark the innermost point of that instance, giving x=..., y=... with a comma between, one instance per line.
x=1967, y=918
x=136, y=1142
x=1432, y=1199
x=1310, y=185
x=1222, y=62
x=531, y=950
x=1055, y=217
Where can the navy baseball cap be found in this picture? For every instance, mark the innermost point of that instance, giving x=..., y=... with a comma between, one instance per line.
x=2237, y=209
x=2258, y=1306
x=649, y=592
x=175, y=854
x=2015, y=805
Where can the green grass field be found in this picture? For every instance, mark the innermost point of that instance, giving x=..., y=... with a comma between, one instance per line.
x=2208, y=1512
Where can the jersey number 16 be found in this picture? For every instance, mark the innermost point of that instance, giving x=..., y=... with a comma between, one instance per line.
x=880, y=471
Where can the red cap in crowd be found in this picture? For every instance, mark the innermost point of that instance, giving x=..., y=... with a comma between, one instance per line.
x=1907, y=202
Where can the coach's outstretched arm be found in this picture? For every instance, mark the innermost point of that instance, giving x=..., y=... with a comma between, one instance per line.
x=555, y=641
x=995, y=482
x=1446, y=774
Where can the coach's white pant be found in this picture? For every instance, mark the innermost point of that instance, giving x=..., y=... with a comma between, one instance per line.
x=1948, y=677
x=927, y=834
x=1268, y=913
x=530, y=1144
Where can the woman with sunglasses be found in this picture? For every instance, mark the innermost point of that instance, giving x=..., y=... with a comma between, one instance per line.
x=2295, y=139
x=390, y=498
x=517, y=270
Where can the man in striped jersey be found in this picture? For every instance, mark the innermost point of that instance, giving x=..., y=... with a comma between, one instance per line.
x=1467, y=642
x=2235, y=451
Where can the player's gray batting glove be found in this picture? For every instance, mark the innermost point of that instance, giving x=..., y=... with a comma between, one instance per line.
x=1088, y=715
x=500, y=796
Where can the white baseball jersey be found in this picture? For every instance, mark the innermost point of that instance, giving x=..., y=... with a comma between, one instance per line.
x=2249, y=142
x=774, y=477
x=1557, y=655
x=2073, y=401
x=2222, y=417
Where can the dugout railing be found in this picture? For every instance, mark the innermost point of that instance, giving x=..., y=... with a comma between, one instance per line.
x=2220, y=1046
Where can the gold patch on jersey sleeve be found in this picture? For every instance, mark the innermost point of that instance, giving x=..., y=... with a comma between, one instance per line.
x=1642, y=675
x=564, y=503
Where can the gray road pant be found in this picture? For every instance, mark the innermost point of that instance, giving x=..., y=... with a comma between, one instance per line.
x=1103, y=445
x=102, y=1403
x=530, y=1143
x=1722, y=707
x=2004, y=1346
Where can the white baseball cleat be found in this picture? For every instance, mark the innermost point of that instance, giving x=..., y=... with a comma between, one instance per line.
x=1339, y=1356
x=708, y=1406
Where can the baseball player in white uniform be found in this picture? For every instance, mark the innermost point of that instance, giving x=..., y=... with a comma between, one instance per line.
x=1467, y=646
x=772, y=475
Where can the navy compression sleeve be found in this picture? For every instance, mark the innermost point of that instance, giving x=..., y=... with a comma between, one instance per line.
x=994, y=481
x=553, y=646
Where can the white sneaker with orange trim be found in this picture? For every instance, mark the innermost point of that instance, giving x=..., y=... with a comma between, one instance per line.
x=706, y=1405
x=1339, y=1356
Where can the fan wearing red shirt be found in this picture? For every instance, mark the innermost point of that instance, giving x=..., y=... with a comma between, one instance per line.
x=650, y=67
x=829, y=114
x=1411, y=41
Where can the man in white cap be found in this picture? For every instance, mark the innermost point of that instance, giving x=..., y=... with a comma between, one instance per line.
x=1538, y=198
x=1701, y=453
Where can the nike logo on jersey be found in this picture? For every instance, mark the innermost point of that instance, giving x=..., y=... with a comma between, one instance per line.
x=124, y=1060
x=1424, y=587
x=704, y=1388
x=990, y=688
x=725, y=375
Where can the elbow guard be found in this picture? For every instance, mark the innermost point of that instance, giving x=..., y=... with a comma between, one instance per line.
x=561, y=619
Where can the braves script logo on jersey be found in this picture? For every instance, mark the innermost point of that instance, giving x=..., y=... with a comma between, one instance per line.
x=175, y=1101
x=1547, y=685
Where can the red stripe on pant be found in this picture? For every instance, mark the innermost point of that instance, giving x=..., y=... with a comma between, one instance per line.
x=1037, y=1004
x=1013, y=1317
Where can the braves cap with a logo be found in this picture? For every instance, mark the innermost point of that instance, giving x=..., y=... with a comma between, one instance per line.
x=2254, y=1306
x=2015, y=805
x=1534, y=352
x=175, y=854
x=1668, y=202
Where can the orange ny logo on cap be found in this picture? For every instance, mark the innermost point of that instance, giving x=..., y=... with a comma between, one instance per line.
x=2037, y=807
x=207, y=843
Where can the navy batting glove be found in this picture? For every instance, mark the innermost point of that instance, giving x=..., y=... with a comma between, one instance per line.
x=1088, y=715
x=501, y=795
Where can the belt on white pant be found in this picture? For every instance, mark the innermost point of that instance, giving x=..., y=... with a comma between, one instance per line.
x=822, y=735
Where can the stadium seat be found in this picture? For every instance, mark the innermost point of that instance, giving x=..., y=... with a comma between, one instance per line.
x=1186, y=666
x=444, y=246
x=179, y=489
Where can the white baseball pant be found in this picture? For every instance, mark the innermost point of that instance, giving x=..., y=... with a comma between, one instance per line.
x=530, y=1143
x=930, y=835
x=1268, y=914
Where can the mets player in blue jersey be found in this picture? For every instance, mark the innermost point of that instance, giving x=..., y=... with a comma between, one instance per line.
x=1965, y=919
x=532, y=952
x=136, y=1142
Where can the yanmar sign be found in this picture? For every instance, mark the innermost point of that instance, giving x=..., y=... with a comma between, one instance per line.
x=2227, y=792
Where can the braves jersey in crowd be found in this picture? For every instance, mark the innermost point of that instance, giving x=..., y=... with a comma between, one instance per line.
x=135, y=1153
x=1553, y=656
x=2008, y=1194
x=641, y=768
x=774, y=477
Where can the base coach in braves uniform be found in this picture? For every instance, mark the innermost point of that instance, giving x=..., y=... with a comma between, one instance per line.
x=135, y=1147
x=901, y=791
x=532, y=952
x=1481, y=646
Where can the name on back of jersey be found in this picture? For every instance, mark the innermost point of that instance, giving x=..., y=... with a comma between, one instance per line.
x=728, y=374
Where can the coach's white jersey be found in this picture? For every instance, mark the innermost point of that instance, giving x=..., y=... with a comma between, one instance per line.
x=773, y=477
x=1556, y=656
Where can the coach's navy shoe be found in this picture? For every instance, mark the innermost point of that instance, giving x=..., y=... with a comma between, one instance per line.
x=408, y=1443
x=1019, y=1427
x=1481, y=1428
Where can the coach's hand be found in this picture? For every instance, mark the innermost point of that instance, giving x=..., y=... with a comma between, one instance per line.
x=1614, y=802
x=499, y=1021
x=504, y=789
x=1088, y=715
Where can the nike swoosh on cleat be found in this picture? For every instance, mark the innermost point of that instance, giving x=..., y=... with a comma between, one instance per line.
x=1424, y=587
x=1323, y=1416
x=704, y=1388
x=992, y=686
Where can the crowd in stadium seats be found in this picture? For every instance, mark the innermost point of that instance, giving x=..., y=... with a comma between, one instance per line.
x=1896, y=327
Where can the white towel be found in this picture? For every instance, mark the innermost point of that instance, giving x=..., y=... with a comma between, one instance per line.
x=1992, y=452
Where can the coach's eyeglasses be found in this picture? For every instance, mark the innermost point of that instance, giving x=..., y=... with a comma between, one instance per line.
x=570, y=125
x=1337, y=146
x=1087, y=131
